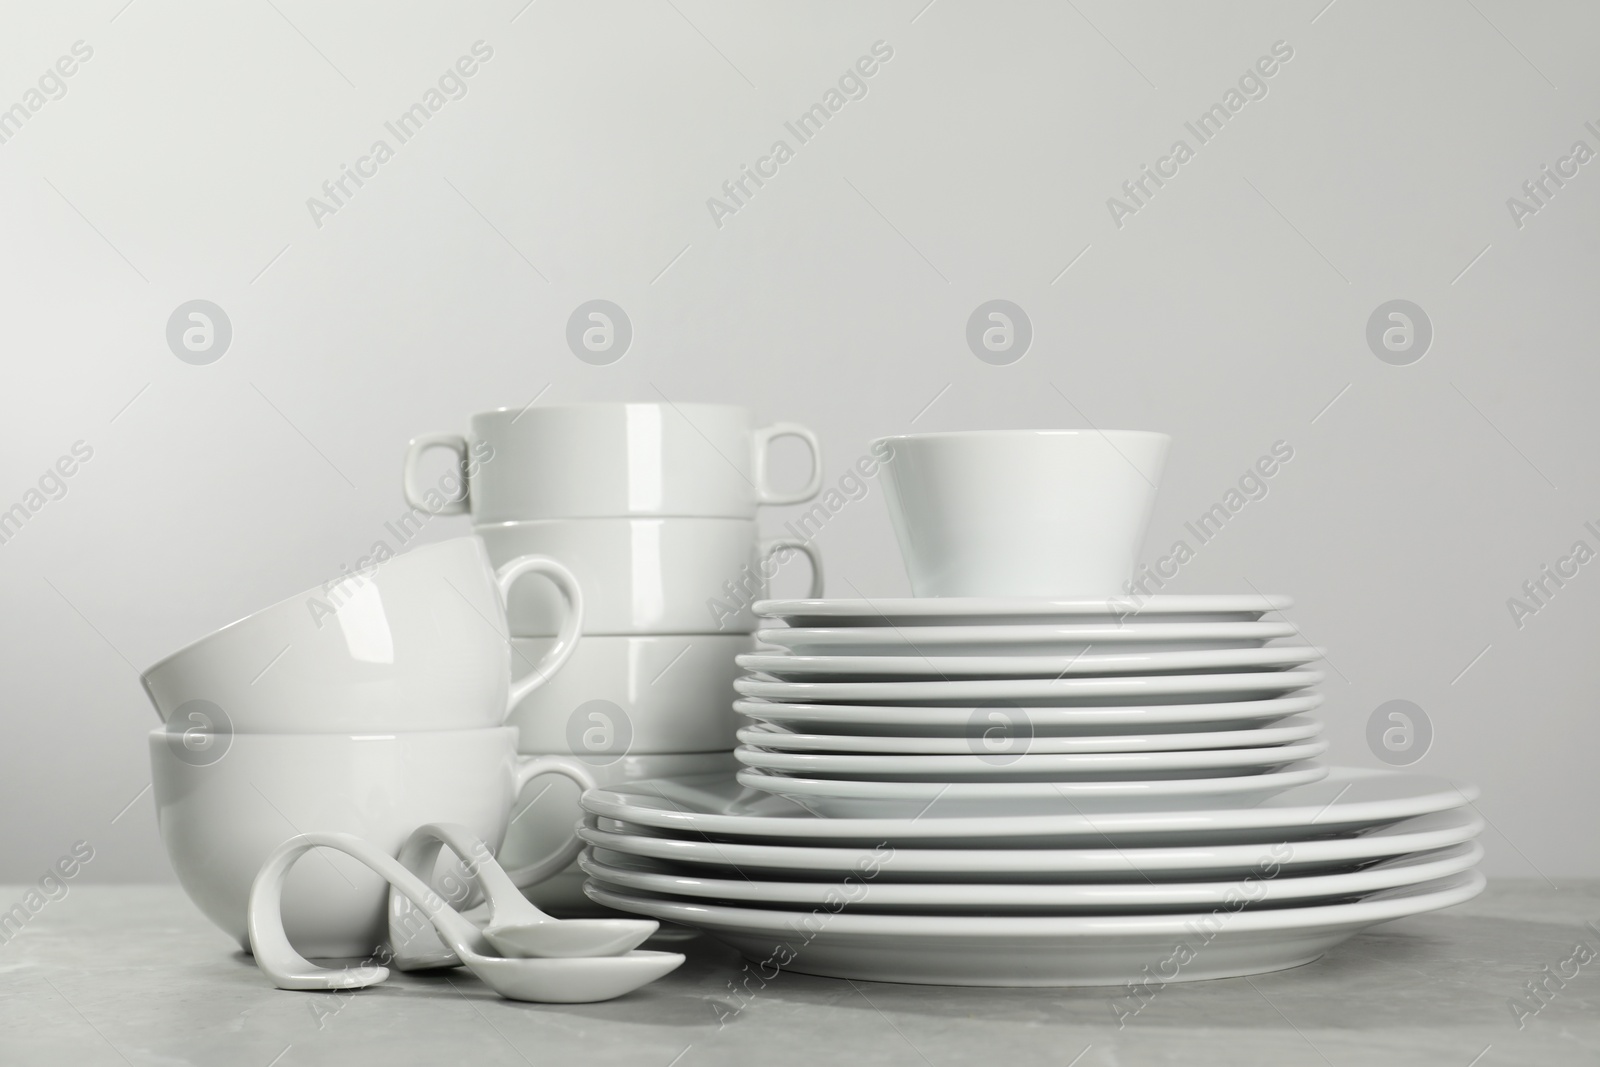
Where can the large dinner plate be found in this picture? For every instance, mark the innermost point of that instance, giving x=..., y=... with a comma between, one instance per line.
x=1037, y=640
x=1045, y=692
x=1348, y=799
x=1093, y=861
x=1266, y=886
x=1083, y=719
x=1018, y=761
x=849, y=799
x=1118, y=664
x=980, y=611
x=1042, y=950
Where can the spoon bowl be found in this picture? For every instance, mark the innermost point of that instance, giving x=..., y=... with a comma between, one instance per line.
x=515, y=927
x=568, y=938
x=572, y=981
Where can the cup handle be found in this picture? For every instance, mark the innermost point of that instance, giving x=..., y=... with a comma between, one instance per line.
x=415, y=492
x=529, y=768
x=768, y=548
x=761, y=442
x=571, y=623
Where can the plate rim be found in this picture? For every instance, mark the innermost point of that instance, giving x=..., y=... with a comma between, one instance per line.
x=1041, y=762
x=834, y=789
x=1085, y=715
x=784, y=856
x=912, y=667
x=1452, y=890
x=799, y=826
x=1462, y=856
x=975, y=688
x=759, y=733
x=1040, y=632
x=936, y=607
x=1165, y=683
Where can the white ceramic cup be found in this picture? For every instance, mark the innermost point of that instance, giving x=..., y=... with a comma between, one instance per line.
x=221, y=817
x=1022, y=513
x=647, y=576
x=606, y=460
x=417, y=643
x=543, y=818
x=624, y=694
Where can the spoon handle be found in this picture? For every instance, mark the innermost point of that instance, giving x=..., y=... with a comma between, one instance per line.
x=416, y=945
x=493, y=879
x=412, y=938
x=288, y=969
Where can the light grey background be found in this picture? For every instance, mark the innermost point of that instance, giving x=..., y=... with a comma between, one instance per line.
x=1230, y=312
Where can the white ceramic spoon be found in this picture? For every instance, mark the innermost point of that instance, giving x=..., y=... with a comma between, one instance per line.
x=516, y=928
x=552, y=981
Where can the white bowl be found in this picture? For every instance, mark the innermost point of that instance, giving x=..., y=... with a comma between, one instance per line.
x=221, y=817
x=1033, y=513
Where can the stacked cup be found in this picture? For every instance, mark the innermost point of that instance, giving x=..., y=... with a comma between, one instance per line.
x=370, y=706
x=653, y=507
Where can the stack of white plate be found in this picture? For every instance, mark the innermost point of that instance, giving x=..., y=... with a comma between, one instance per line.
x=1032, y=792
x=1007, y=683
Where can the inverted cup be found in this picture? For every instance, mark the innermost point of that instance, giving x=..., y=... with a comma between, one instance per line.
x=416, y=642
x=1034, y=513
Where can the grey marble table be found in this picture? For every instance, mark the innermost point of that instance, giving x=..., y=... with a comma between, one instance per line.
x=134, y=975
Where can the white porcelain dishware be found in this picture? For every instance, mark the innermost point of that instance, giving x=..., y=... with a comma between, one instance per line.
x=1114, y=610
x=1013, y=718
x=1002, y=737
x=1347, y=800
x=418, y=642
x=545, y=981
x=846, y=668
x=1050, y=950
x=605, y=460
x=543, y=817
x=1019, y=762
x=222, y=817
x=1025, y=513
x=1045, y=692
x=514, y=927
x=1046, y=639
x=635, y=693
x=647, y=575
x=1091, y=861
x=998, y=800
x=622, y=872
